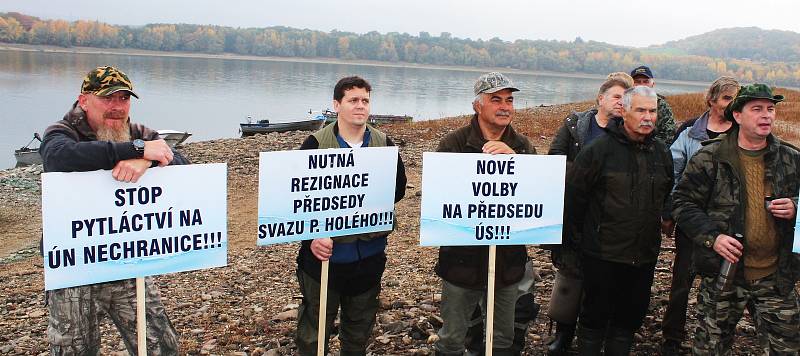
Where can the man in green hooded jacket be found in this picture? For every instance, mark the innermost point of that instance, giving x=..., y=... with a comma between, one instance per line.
x=744, y=183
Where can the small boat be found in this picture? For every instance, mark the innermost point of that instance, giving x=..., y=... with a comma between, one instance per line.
x=27, y=156
x=264, y=126
x=173, y=137
x=374, y=119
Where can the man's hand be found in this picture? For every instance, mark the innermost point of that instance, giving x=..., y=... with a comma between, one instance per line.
x=668, y=227
x=497, y=147
x=782, y=208
x=322, y=248
x=130, y=170
x=728, y=248
x=159, y=151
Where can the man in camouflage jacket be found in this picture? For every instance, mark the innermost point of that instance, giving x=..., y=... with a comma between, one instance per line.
x=722, y=193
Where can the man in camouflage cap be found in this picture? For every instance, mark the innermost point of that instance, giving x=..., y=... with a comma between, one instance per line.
x=464, y=269
x=745, y=182
x=96, y=133
x=665, y=126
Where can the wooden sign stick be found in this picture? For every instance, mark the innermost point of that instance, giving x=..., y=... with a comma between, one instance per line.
x=490, y=301
x=141, y=322
x=323, y=307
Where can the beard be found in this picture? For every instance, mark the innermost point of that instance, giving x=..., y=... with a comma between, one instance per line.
x=116, y=133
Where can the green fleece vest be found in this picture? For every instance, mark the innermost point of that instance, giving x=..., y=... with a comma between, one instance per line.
x=327, y=139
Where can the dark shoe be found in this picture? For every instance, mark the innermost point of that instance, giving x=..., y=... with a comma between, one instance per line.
x=562, y=340
x=504, y=352
x=590, y=341
x=671, y=348
x=618, y=342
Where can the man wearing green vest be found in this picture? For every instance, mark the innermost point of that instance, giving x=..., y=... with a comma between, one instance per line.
x=356, y=261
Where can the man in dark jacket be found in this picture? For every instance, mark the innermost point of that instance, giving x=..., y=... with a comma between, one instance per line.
x=357, y=262
x=578, y=131
x=97, y=134
x=616, y=193
x=464, y=269
x=746, y=183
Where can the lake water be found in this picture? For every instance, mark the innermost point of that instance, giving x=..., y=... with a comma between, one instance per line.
x=210, y=97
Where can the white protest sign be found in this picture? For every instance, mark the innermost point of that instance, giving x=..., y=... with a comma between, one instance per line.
x=796, y=244
x=97, y=229
x=308, y=194
x=482, y=199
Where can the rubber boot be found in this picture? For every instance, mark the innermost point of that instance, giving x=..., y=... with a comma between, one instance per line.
x=618, y=342
x=590, y=341
x=562, y=339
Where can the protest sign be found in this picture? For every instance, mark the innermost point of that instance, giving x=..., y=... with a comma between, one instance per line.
x=96, y=229
x=482, y=199
x=308, y=194
x=796, y=244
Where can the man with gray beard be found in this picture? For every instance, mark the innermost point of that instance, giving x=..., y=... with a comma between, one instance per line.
x=97, y=134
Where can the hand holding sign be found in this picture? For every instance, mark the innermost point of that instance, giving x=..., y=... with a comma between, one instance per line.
x=322, y=248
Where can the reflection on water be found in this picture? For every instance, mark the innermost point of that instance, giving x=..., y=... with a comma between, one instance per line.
x=209, y=97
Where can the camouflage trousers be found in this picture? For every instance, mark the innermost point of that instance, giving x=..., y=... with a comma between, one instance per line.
x=75, y=314
x=778, y=317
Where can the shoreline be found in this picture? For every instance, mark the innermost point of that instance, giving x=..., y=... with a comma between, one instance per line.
x=15, y=47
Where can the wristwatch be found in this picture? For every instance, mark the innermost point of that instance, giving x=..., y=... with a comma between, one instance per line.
x=138, y=144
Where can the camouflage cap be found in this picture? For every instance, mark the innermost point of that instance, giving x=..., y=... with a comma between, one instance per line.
x=492, y=83
x=107, y=80
x=749, y=93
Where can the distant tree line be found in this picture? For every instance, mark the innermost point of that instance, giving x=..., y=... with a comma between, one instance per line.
x=557, y=56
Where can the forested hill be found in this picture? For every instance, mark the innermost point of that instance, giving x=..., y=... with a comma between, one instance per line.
x=540, y=55
x=750, y=43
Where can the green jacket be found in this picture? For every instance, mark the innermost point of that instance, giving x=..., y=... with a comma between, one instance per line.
x=616, y=193
x=709, y=200
x=467, y=266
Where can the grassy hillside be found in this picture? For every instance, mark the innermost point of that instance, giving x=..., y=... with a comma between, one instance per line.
x=750, y=43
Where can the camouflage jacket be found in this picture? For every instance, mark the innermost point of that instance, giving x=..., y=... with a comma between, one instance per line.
x=709, y=200
x=665, y=124
x=617, y=191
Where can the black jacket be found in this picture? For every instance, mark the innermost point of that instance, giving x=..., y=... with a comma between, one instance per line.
x=571, y=137
x=468, y=266
x=616, y=193
x=70, y=145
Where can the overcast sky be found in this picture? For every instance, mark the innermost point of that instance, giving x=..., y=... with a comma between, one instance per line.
x=626, y=22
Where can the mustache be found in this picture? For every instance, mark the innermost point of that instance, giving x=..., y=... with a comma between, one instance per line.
x=114, y=114
x=502, y=113
x=647, y=124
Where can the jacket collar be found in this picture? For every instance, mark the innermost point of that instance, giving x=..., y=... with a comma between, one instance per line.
x=475, y=138
x=617, y=132
x=76, y=118
x=583, y=124
x=698, y=130
x=728, y=150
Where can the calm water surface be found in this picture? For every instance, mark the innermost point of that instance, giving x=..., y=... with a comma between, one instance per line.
x=210, y=97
